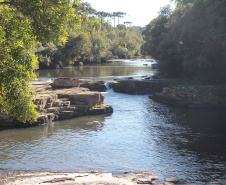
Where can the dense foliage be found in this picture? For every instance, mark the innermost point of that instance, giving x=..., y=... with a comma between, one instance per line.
x=95, y=41
x=190, y=41
x=23, y=23
x=54, y=33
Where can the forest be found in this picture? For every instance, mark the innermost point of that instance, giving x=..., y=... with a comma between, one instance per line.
x=52, y=34
x=190, y=41
x=95, y=41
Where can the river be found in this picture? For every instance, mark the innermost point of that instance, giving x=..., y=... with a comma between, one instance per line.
x=140, y=135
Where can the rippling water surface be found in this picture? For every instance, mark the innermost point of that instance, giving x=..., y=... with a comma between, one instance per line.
x=140, y=135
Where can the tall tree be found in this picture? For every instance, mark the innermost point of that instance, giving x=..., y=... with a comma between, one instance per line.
x=102, y=15
x=23, y=23
x=119, y=15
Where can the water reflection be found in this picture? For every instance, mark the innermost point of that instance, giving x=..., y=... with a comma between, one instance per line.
x=36, y=148
x=191, y=140
x=104, y=71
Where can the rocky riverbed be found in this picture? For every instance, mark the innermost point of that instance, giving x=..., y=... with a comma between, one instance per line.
x=65, y=98
x=90, y=178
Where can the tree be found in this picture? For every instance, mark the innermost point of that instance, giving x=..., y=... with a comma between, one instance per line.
x=23, y=23
x=127, y=23
x=119, y=15
x=103, y=15
x=160, y=45
x=84, y=8
x=94, y=42
x=190, y=41
x=77, y=48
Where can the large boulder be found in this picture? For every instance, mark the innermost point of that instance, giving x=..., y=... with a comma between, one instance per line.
x=92, y=85
x=65, y=83
x=89, y=98
x=137, y=86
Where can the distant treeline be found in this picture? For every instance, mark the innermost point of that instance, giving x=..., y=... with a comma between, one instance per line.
x=96, y=40
x=190, y=42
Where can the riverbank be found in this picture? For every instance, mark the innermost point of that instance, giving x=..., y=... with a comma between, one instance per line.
x=90, y=178
x=65, y=98
x=175, y=92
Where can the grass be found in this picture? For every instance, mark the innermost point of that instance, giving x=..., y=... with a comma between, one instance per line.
x=95, y=106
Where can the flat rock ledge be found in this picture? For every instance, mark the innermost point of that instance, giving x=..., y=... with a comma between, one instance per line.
x=62, y=103
x=133, y=86
x=92, y=85
x=175, y=92
x=205, y=96
x=89, y=178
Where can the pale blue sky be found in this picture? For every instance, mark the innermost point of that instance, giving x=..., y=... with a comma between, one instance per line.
x=139, y=12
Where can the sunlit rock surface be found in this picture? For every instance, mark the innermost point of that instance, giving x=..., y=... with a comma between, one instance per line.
x=92, y=85
x=62, y=103
x=90, y=178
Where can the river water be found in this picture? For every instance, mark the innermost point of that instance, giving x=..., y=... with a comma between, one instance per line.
x=140, y=135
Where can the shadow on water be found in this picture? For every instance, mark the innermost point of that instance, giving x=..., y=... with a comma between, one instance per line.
x=190, y=139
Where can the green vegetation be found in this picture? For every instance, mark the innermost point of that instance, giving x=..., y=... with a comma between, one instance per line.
x=190, y=42
x=54, y=33
x=95, y=41
x=96, y=107
x=23, y=23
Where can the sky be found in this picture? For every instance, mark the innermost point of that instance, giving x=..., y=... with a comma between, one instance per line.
x=139, y=12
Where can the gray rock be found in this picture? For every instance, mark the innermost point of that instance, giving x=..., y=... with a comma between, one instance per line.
x=65, y=83
x=174, y=180
x=93, y=85
x=137, y=86
x=66, y=115
x=193, y=97
x=66, y=103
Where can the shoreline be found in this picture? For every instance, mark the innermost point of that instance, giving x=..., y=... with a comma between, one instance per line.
x=91, y=178
x=175, y=92
x=65, y=98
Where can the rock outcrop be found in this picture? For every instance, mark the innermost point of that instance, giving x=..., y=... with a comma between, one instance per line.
x=79, y=178
x=91, y=177
x=168, y=91
x=63, y=103
x=132, y=86
x=92, y=85
x=203, y=96
x=65, y=83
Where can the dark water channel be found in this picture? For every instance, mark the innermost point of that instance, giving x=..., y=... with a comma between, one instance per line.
x=140, y=135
